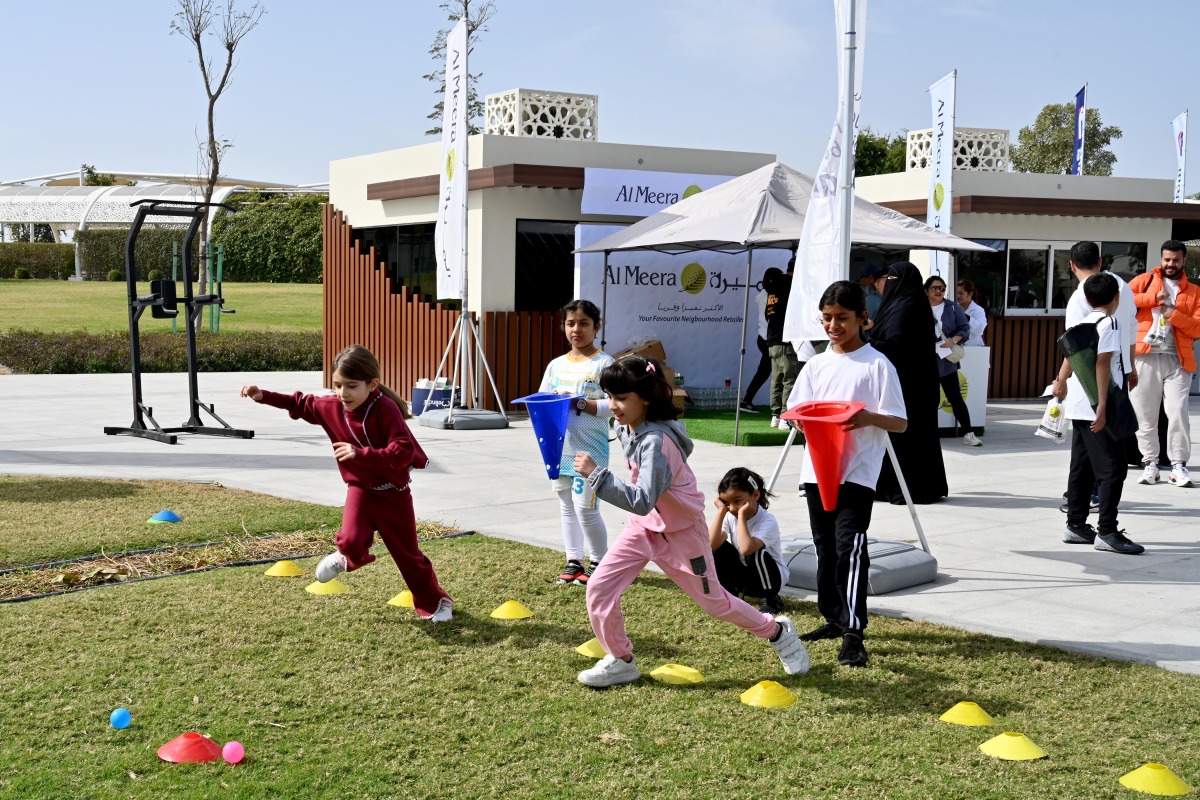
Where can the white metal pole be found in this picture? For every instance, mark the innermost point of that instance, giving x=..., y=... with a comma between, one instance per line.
x=846, y=198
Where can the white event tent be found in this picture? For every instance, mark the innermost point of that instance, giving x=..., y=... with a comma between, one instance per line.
x=765, y=209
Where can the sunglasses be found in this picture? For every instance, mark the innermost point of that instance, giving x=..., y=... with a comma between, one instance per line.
x=938, y=289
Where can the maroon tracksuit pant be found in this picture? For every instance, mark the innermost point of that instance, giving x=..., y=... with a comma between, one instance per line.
x=389, y=511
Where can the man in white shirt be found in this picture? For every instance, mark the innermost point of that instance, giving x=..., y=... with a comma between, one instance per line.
x=1095, y=454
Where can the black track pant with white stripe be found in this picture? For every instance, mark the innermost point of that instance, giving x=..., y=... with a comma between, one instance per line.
x=758, y=577
x=840, y=539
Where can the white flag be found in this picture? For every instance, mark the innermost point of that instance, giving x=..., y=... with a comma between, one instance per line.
x=941, y=172
x=450, y=234
x=819, y=260
x=1180, y=127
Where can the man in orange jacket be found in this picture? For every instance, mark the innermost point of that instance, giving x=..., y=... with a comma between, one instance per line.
x=1168, y=314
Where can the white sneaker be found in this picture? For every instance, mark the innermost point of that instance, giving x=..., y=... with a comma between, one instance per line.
x=971, y=440
x=609, y=671
x=774, y=422
x=331, y=566
x=444, y=612
x=1149, y=474
x=790, y=649
x=1180, y=476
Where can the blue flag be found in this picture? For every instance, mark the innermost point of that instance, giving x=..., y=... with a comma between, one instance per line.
x=1080, y=117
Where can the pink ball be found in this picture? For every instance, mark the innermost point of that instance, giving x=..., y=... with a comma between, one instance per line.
x=233, y=752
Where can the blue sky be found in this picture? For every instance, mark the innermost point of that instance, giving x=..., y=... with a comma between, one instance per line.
x=104, y=83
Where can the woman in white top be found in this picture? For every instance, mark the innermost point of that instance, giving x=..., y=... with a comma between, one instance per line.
x=976, y=316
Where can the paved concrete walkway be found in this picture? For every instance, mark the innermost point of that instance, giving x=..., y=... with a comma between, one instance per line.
x=1003, y=569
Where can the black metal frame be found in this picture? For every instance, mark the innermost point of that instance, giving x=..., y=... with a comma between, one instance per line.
x=163, y=304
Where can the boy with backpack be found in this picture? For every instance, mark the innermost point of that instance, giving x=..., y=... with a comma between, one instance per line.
x=1095, y=455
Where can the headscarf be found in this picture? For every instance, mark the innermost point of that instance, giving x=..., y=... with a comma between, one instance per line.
x=904, y=300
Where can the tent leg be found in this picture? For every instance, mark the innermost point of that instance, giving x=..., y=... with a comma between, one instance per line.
x=782, y=457
x=604, y=301
x=912, y=509
x=737, y=403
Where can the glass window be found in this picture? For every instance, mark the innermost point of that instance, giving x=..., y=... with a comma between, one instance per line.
x=1063, y=285
x=1028, y=268
x=987, y=271
x=1124, y=258
x=545, y=264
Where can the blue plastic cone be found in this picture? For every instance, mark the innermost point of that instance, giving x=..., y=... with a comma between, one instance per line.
x=164, y=516
x=549, y=413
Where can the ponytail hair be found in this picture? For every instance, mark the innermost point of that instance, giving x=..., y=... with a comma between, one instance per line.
x=748, y=481
x=645, y=378
x=357, y=363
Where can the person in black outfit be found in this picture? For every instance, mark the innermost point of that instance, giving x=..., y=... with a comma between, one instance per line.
x=784, y=365
x=903, y=331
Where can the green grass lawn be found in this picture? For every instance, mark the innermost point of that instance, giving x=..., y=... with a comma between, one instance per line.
x=346, y=696
x=48, y=519
x=99, y=306
x=753, y=429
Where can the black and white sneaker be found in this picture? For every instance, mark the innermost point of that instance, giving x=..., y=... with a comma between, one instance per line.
x=1082, y=534
x=771, y=605
x=1118, y=543
x=830, y=630
x=853, y=653
x=747, y=407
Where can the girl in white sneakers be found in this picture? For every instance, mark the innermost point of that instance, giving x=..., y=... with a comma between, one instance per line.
x=666, y=525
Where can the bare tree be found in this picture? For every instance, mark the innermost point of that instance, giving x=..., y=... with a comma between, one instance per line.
x=195, y=20
x=476, y=23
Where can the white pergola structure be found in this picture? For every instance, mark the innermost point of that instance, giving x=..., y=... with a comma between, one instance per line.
x=71, y=208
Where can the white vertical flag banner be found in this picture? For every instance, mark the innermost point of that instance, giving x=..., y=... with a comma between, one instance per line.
x=941, y=173
x=819, y=254
x=450, y=234
x=1180, y=127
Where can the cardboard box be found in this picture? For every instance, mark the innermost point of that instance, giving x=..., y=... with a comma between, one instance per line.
x=680, y=397
x=651, y=349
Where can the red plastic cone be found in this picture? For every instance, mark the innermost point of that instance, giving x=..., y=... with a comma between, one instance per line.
x=189, y=748
x=826, y=441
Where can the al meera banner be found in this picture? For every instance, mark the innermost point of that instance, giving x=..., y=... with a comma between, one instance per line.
x=941, y=172
x=1179, y=126
x=692, y=303
x=637, y=193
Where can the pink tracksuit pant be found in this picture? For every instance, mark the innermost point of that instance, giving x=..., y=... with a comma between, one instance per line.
x=686, y=558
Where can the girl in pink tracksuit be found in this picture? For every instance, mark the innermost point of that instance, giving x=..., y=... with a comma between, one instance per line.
x=666, y=525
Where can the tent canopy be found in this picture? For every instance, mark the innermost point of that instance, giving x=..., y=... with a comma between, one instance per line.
x=766, y=208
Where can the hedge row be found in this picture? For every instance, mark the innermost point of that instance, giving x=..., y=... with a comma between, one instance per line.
x=37, y=352
x=273, y=238
x=102, y=250
x=56, y=261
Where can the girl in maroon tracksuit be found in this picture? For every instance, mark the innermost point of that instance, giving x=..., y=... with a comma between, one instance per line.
x=375, y=451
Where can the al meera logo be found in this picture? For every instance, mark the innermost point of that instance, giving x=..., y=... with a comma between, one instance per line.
x=693, y=278
x=450, y=164
x=691, y=190
x=939, y=197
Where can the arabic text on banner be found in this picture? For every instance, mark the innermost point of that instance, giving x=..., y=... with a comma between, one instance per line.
x=1179, y=125
x=941, y=173
x=450, y=239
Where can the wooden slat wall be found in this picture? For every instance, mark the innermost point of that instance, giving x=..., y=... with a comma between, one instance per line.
x=408, y=334
x=1025, y=355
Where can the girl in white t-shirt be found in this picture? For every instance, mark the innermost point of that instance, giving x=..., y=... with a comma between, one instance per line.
x=745, y=540
x=848, y=370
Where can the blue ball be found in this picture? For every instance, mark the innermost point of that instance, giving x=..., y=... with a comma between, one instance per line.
x=119, y=718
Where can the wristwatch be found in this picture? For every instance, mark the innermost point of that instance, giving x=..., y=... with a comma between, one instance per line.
x=580, y=406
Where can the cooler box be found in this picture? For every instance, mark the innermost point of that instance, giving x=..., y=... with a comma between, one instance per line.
x=894, y=565
x=441, y=398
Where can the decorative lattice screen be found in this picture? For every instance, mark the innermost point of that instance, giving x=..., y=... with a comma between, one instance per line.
x=546, y=115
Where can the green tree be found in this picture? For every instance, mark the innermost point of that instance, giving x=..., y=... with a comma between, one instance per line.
x=879, y=154
x=41, y=233
x=476, y=24
x=93, y=178
x=1045, y=146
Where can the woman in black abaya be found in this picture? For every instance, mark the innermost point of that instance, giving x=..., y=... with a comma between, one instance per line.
x=903, y=332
